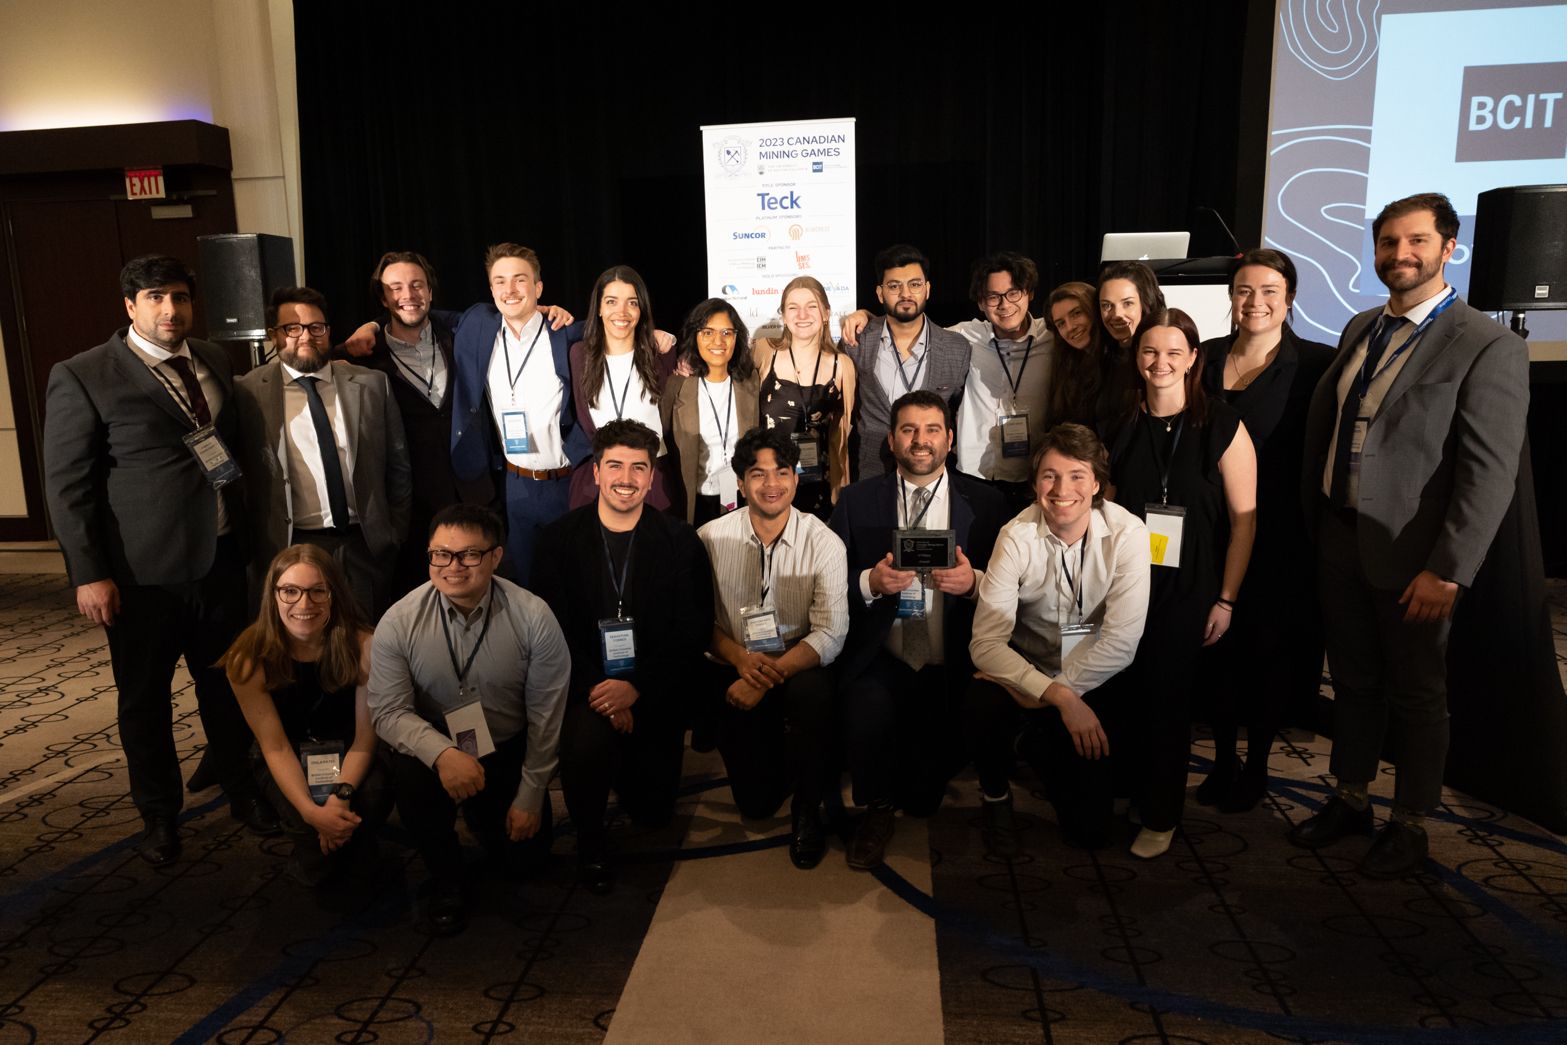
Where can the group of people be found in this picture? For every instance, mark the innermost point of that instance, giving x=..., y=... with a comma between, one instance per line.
x=499, y=544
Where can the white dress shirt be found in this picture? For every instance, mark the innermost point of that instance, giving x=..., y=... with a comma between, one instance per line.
x=420, y=363
x=978, y=441
x=623, y=382
x=717, y=407
x=1026, y=597
x=535, y=388
x=309, y=506
x=156, y=358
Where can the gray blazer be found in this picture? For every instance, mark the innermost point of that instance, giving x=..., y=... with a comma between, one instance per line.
x=945, y=371
x=127, y=499
x=383, y=482
x=681, y=406
x=1441, y=456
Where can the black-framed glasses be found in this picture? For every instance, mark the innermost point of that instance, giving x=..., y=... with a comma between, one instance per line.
x=1013, y=296
x=467, y=557
x=896, y=285
x=295, y=329
x=292, y=593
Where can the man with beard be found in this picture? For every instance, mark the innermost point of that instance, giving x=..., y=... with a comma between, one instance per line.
x=324, y=452
x=897, y=353
x=1412, y=445
x=905, y=666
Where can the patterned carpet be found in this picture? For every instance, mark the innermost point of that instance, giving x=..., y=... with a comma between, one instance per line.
x=1232, y=936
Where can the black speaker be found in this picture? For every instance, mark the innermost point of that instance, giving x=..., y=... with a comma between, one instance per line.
x=238, y=274
x=1520, y=249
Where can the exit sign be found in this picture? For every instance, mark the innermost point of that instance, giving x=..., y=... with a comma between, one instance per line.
x=145, y=184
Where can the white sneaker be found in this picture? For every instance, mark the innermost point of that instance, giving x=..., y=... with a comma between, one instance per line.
x=1150, y=845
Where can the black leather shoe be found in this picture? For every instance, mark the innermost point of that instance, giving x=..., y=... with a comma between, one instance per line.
x=206, y=774
x=868, y=847
x=596, y=874
x=1000, y=828
x=255, y=813
x=809, y=843
x=1400, y=849
x=1338, y=819
x=448, y=909
x=160, y=844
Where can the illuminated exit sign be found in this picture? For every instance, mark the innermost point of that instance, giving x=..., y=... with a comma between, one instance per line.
x=146, y=184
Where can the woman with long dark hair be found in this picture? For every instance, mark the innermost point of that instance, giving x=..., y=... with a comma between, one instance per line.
x=1076, y=366
x=1128, y=293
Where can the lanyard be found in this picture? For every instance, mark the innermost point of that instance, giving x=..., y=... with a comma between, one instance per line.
x=1164, y=475
x=620, y=583
x=766, y=561
x=805, y=414
x=729, y=409
x=1364, y=381
x=914, y=523
x=1076, y=588
x=505, y=347
x=427, y=381
x=908, y=385
x=1002, y=356
x=179, y=395
x=625, y=388
x=451, y=651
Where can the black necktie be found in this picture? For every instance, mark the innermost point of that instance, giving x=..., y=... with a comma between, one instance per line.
x=197, y=400
x=326, y=442
x=1349, y=409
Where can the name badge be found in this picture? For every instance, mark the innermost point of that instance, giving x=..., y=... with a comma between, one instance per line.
x=322, y=761
x=1072, y=636
x=1014, y=435
x=514, y=432
x=1164, y=533
x=924, y=549
x=810, y=444
x=761, y=629
x=618, y=642
x=218, y=466
x=912, y=603
x=1357, y=440
x=469, y=730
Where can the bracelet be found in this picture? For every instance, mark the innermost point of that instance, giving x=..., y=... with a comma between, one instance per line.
x=1226, y=603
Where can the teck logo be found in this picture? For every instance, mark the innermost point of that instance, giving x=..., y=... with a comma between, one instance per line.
x=1513, y=112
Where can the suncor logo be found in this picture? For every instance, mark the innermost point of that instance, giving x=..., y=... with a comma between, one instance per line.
x=758, y=234
x=1513, y=112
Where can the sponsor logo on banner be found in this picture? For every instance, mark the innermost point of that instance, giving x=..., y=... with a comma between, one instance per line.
x=730, y=155
x=802, y=261
x=728, y=290
x=754, y=234
x=816, y=166
x=778, y=201
x=1513, y=112
x=764, y=291
x=795, y=232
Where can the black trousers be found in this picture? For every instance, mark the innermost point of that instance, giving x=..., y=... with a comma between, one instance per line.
x=369, y=579
x=784, y=743
x=1154, y=731
x=1081, y=790
x=430, y=816
x=643, y=766
x=899, y=736
x=156, y=626
x=372, y=801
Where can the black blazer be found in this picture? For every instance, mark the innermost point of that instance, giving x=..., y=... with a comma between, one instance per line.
x=670, y=597
x=865, y=517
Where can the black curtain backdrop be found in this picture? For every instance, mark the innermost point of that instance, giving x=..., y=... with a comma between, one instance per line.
x=442, y=129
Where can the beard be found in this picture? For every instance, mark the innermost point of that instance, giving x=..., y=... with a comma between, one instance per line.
x=308, y=362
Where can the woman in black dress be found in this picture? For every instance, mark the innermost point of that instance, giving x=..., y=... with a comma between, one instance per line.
x=808, y=393
x=1272, y=662
x=1184, y=464
x=300, y=674
x=1128, y=293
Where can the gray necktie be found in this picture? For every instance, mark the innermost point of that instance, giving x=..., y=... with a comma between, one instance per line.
x=326, y=442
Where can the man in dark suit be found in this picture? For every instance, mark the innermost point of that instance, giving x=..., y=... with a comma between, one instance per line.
x=139, y=477
x=1412, y=445
x=632, y=590
x=324, y=453
x=898, y=353
x=905, y=665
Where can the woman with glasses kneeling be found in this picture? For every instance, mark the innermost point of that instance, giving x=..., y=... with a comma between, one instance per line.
x=300, y=674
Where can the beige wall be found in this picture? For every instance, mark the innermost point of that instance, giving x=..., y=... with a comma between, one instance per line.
x=79, y=63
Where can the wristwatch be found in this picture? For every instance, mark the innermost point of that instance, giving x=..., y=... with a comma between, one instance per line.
x=343, y=791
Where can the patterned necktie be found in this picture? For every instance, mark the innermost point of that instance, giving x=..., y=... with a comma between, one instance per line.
x=197, y=400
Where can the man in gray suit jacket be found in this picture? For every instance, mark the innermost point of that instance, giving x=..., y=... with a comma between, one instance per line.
x=354, y=499
x=1412, y=445
x=896, y=354
x=140, y=493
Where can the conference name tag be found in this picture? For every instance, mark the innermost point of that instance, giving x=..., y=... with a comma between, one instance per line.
x=760, y=624
x=1357, y=441
x=1164, y=533
x=322, y=761
x=514, y=432
x=218, y=466
x=810, y=444
x=1014, y=435
x=469, y=730
x=914, y=602
x=1072, y=636
x=618, y=642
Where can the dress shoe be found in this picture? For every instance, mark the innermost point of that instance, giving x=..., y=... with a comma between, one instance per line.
x=255, y=813
x=868, y=847
x=809, y=843
x=206, y=774
x=1400, y=849
x=1338, y=819
x=1150, y=844
x=448, y=909
x=596, y=874
x=160, y=844
x=1220, y=783
x=999, y=828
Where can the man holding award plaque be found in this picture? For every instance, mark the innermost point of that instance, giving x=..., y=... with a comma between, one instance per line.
x=781, y=617
x=918, y=539
x=468, y=678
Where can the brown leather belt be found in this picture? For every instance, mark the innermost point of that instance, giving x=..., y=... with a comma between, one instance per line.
x=548, y=473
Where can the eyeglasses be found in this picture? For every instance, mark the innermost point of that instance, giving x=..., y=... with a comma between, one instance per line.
x=295, y=329
x=291, y=593
x=1013, y=296
x=724, y=334
x=468, y=557
x=896, y=286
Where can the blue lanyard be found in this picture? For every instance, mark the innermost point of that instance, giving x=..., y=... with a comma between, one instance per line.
x=1364, y=381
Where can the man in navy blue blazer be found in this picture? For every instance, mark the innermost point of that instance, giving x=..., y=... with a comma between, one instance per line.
x=905, y=666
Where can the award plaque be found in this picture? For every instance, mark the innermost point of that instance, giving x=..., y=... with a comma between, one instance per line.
x=924, y=549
